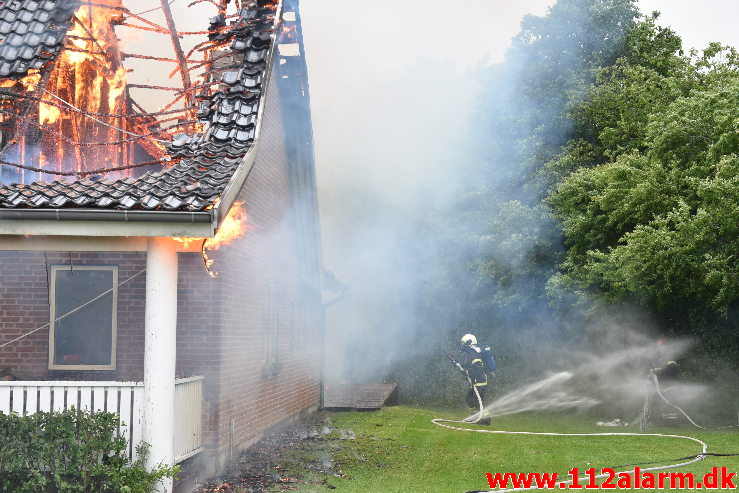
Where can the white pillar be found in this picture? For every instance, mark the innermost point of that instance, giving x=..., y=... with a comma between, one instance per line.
x=160, y=354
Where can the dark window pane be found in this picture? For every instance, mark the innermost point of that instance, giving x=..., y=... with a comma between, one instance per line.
x=86, y=336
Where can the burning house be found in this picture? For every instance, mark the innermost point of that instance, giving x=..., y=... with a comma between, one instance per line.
x=115, y=221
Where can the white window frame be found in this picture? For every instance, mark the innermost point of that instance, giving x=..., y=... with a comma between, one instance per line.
x=54, y=315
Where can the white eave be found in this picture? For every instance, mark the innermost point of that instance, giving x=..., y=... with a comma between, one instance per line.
x=96, y=222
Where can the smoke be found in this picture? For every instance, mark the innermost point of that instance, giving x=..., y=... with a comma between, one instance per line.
x=394, y=92
x=424, y=209
x=428, y=143
x=615, y=379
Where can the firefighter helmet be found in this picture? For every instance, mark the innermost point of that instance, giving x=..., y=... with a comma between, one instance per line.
x=469, y=339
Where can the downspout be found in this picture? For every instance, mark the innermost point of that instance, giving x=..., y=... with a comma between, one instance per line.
x=322, y=370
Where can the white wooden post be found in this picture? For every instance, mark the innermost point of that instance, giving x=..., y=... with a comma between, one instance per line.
x=160, y=354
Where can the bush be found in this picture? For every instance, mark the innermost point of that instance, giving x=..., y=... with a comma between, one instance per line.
x=71, y=451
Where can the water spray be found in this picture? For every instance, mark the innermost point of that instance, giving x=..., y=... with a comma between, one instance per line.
x=506, y=400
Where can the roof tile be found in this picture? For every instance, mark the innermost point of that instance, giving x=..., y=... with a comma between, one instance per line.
x=32, y=27
x=207, y=161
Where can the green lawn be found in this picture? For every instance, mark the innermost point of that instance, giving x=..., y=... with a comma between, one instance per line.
x=398, y=449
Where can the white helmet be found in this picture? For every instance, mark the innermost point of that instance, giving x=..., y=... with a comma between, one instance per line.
x=469, y=339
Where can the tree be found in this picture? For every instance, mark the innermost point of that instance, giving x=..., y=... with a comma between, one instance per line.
x=654, y=217
x=550, y=69
x=504, y=241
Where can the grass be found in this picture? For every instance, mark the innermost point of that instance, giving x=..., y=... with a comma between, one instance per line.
x=398, y=449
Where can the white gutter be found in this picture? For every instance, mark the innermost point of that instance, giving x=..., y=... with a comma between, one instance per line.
x=97, y=222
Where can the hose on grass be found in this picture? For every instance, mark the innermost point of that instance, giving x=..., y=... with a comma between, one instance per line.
x=643, y=420
x=686, y=460
x=707, y=454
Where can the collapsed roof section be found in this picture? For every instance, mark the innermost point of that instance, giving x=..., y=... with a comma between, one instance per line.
x=209, y=168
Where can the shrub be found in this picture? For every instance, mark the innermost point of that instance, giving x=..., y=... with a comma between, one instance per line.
x=71, y=451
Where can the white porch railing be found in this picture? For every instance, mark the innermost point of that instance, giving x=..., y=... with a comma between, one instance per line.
x=188, y=412
x=123, y=398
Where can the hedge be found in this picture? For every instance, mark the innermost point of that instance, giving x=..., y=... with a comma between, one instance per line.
x=71, y=451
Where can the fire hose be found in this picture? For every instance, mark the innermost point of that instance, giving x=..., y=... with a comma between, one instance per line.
x=476, y=417
x=655, y=381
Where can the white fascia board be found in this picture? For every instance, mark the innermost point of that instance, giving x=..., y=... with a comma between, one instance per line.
x=89, y=244
x=104, y=228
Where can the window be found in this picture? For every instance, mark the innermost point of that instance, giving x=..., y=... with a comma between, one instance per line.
x=269, y=355
x=82, y=334
x=270, y=365
x=301, y=319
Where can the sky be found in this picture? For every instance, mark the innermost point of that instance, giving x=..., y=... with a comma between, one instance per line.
x=472, y=33
x=698, y=22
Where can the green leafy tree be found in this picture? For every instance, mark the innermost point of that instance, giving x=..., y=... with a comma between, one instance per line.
x=550, y=69
x=501, y=243
x=652, y=216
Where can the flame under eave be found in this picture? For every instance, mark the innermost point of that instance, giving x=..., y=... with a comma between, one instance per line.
x=234, y=226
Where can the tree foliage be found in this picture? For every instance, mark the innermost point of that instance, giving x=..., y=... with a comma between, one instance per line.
x=657, y=220
x=610, y=173
x=502, y=243
x=607, y=177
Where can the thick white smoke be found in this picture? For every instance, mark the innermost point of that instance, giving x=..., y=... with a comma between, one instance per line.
x=393, y=91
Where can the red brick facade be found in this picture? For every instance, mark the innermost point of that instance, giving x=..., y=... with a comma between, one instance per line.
x=24, y=306
x=253, y=332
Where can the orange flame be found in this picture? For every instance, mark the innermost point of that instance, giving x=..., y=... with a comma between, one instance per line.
x=116, y=87
x=234, y=226
x=30, y=81
x=48, y=114
x=289, y=32
x=84, y=96
x=88, y=77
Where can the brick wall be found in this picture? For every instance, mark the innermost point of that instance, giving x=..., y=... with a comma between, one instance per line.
x=198, y=332
x=24, y=306
x=265, y=302
x=261, y=299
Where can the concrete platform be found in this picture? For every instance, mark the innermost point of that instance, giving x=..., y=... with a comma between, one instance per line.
x=359, y=397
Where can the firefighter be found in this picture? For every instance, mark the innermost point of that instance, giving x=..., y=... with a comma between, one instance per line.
x=667, y=370
x=473, y=365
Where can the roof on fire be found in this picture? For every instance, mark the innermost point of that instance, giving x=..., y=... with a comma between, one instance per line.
x=209, y=162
